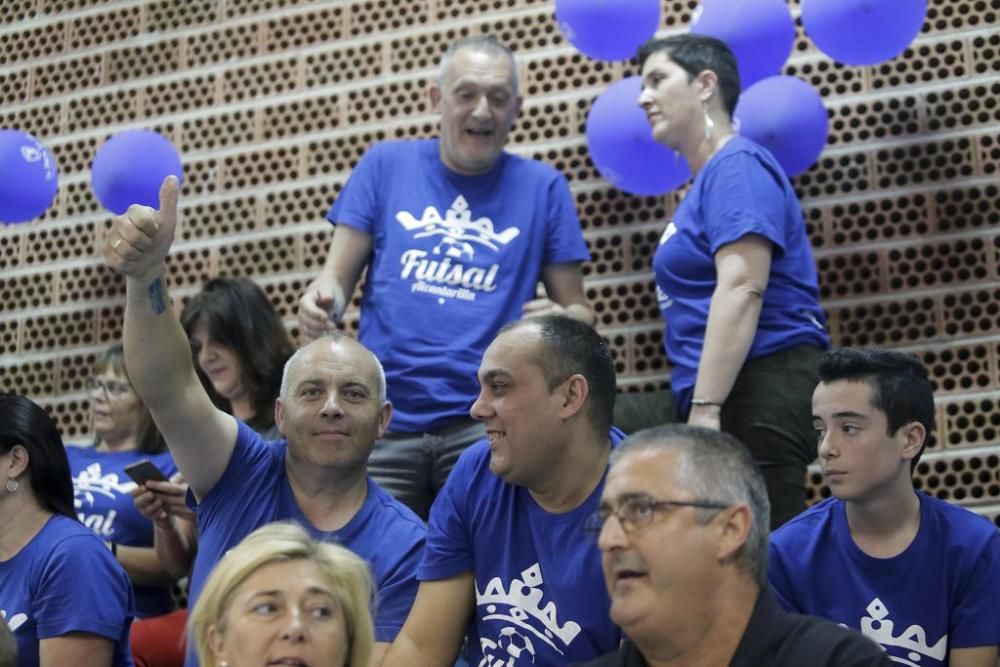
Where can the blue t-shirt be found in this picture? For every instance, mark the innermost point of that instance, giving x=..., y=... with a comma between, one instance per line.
x=104, y=505
x=65, y=580
x=940, y=593
x=540, y=591
x=741, y=190
x=254, y=491
x=454, y=258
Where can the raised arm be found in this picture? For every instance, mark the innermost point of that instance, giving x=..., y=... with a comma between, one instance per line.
x=433, y=632
x=322, y=305
x=565, y=294
x=157, y=354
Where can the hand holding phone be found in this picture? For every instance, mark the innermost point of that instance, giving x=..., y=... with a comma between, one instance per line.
x=144, y=471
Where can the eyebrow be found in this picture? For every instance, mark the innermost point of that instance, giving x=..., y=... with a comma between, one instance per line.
x=496, y=373
x=844, y=414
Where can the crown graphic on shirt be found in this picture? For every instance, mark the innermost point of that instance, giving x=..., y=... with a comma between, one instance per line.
x=879, y=627
x=457, y=228
x=90, y=480
x=523, y=600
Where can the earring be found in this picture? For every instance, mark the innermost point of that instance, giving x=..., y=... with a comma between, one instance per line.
x=11, y=485
x=709, y=123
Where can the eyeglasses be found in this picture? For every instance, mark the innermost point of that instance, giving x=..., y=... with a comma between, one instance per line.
x=111, y=388
x=638, y=512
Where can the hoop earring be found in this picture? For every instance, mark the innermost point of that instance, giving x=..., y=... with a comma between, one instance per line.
x=11, y=485
x=709, y=123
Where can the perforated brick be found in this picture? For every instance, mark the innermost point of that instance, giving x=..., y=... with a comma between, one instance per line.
x=834, y=175
x=109, y=321
x=917, y=164
x=262, y=80
x=325, y=25
x=67, y=76
x=876, y=120
x=975, y=312
x=376, y=17
x=47, y=245
x=75, y=156
x=250, y=7
x=610, y=207
x=948, y=15
x=830, y=79
x=179, y=95
x=43, y=120
x=941, y=263
x=300, y=117
x=573, y=161
x=264, y=257
x=924, y=63
x=548, y=122
x=625, y=303
x=971, y=423
x=164, y=16
x=149, y=60
x=892, y=323
x=13, y=11
x=8, y=337
x=14, y=86
x=226, y=44
x=388, y=101
x=354, y=63
x=302, y=204
x=850, y=274
x=260, y=168
x=565, y=73
x=312, y=249
x=189, y=268
x=967, y=208
x=77, y=199
x=339, y=155
x=44, y=41
x=54, y=332
x=960, y=368
x=986, y=54
x=888, y=218
x=92, y=30
x=449, y=10
x=111, y=108
x=987, y=149
x=33, y=378
x=204, y=133
x=217, y=219
x=73, y=420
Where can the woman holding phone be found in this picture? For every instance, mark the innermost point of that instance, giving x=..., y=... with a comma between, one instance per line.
x=124, y=438
x=63, y=595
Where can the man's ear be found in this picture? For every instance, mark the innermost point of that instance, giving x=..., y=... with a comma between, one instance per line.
x=384, y=417
x=279, y=415
x=434, y=92
x=573, y=393
x=734, y=530
x=912, y=437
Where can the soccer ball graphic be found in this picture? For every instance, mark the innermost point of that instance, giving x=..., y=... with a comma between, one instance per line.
x=516, y=645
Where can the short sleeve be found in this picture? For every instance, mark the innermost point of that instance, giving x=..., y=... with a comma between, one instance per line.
x=398, y=590
x=449, y=539
x=741, y=196
x=83, y=589
x=975, y=615
x=357, y=204
x=565, y=238
x=782, y=586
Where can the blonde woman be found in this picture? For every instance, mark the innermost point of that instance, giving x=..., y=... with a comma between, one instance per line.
x=281, y=597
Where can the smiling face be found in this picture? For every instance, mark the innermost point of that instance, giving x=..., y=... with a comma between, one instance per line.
x=478, y=102
x=672, y=102
x=331, y=413
x=285, y=613
x=859, y=458
x=219, y=363
x=663, y=572
x=520, y=413
x=114, y=406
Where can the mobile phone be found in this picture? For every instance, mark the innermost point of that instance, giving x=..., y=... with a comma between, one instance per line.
x=145, y=471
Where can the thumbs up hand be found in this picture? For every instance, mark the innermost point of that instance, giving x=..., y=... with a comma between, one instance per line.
x=140, y=239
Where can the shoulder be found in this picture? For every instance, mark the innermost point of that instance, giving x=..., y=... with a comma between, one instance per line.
x=393, y=518
x=958, y=525
x=807, y=524
x=824, y=643
x=748, y=159
x=67, y=541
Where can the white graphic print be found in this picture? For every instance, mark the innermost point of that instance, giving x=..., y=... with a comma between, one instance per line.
x=877, y=626
x=89, y=482
x=662, y=297
x=440, y=271
x=529, y=622
x=15, y=621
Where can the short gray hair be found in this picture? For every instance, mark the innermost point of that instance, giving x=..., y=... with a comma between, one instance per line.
x=483, y=44
x=714, y=466
x=337, y=337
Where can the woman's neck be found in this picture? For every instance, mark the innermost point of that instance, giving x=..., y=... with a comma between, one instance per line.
x=117, y=443
x=242, y=408
x=21, y=518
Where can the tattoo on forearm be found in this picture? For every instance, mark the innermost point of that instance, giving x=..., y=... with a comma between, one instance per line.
x=157, y=296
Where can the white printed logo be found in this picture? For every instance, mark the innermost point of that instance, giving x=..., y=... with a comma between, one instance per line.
x=877, y=626
x=528, y=621
x=441, y=271
x=15, y=621
x=89, y=482
x=668, y=232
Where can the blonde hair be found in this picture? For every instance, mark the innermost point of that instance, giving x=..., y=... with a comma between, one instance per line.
x=347, y=574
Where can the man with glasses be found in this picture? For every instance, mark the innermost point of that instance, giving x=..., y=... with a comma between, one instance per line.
x=683, y=529
x=507, y=559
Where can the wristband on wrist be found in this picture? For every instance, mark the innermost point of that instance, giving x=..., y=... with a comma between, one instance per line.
x=699, y=402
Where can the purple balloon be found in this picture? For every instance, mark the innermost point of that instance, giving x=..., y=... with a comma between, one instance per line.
x=130, y=167
x=863, y=32
x=622, y=146
x=29, y=178
x=608, y=29
x=786, y=116
x=759, y=32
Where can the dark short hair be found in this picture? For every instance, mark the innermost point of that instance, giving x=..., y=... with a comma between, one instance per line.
x=900, y=387
x=714, y=467
x=695, y=54
x=238, y=315
x=570, y=346
x=148, y=439
x=24, y=423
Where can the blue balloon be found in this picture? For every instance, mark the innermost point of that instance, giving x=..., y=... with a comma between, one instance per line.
x=785, y=115
x=130, y=167
x=759, y=32
x=608, y=29
x=622, y=146
x=863, y=32
x=29, y=178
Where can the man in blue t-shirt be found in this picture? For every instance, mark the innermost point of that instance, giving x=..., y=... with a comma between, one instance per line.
x=916, y=574
x=507, y=561
x=456, y=234
x=331, y=408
